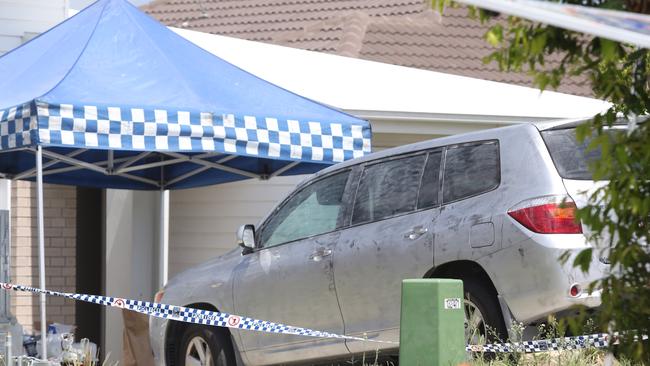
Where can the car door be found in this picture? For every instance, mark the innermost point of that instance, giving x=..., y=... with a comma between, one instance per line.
x=468, y=227
x=290, y=280
x=389, y=239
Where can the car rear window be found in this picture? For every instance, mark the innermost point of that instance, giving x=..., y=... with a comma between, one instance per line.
x=470, y=169
x=387, y=189
x=571, y=158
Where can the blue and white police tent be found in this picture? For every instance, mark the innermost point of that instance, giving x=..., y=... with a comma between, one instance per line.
x=111, y=98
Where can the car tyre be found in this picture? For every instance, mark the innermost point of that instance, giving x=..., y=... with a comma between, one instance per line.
x=484, y=320
x=205, y=346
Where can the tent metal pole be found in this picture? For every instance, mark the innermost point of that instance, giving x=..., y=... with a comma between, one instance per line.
x=150, y=165
x=187, y=175
x=284, y=169
x=69, y=168
x=5, y=247
x=73, y=161
x=30, y=172
x=134, y=159
x=41, y=248
x=163, y=238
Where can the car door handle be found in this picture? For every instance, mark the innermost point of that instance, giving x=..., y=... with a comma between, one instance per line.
x=416, y=232
x=319, y=254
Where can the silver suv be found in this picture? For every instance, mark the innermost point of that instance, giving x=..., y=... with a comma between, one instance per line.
x=494, y=208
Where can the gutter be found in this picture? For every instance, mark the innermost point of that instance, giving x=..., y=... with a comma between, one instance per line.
x=422, y=123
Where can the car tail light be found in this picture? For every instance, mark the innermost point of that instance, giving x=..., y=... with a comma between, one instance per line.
x=548, y=215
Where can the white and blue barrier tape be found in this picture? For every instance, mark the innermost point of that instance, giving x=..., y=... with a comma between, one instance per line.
x=219, y=319
x=599, y=340
x=189, y=315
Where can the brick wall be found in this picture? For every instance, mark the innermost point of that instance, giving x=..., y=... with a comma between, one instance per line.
x=60, y=247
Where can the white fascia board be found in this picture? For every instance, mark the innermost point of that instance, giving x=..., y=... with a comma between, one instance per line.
x=437, y=124
x=440, y=117
x=359, y=85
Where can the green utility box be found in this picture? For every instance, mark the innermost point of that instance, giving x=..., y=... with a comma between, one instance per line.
x=432, y=331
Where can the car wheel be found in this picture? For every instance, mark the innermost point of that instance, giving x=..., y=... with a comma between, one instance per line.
x=204, y=346
x=483, y=319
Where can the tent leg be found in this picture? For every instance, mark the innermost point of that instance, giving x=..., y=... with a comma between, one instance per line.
x=41, y=248
x=163, y=238
x=5, y=248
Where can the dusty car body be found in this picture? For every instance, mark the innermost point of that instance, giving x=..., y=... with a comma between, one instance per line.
x=493, y=208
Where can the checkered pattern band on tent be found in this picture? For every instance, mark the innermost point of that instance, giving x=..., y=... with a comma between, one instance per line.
x=140, y=129
x=17, y=125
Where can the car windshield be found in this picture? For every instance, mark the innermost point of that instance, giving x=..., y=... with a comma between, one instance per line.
x=572, y=158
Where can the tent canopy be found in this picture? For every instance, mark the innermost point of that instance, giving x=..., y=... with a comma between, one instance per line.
x=113, y=99
x=117, y=100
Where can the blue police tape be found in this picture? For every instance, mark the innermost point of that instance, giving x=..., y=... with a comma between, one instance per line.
x=556, y=344
x=219, y=319
x=599, y=340
x=189, y=315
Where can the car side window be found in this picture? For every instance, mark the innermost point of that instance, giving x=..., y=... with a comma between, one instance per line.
x=430, y=185
x=470, y=170
x=313, y=210
x=388, y=188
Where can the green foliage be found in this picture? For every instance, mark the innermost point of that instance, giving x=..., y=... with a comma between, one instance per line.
x=618, y=213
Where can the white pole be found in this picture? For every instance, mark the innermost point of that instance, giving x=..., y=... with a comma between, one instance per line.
x=163, y=238
x=5, y=194
x=5, y=205
x=41, y=248
x=560, y=15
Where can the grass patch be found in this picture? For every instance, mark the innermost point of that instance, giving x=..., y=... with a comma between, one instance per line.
x=587, y=357
x=549, y=330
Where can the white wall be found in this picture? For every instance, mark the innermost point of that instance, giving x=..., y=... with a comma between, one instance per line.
x=21, y=20
x=131, y=268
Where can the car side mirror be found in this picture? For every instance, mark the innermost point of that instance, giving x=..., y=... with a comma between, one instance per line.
x=246, y=238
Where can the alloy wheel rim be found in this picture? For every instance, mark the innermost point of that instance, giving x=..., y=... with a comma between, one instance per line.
x=475, y=328
x=198, y=353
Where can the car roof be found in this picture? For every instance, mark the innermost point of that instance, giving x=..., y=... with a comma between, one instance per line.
x=486, y=134
x=572, y=123
x=560, y=124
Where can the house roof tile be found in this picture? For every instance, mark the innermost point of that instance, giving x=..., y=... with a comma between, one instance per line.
x=406, y=32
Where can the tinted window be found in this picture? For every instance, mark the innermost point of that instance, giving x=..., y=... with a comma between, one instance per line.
x=571, y=158
x=388, y=189
x=430, y=182
x=312, y=211
x=470, y=170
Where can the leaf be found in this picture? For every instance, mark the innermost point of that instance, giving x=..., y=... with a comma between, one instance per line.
x=538, y=44
x=564, y=257
x=583, y=259
x=494, y=35
x=608, y=49
x=472, y=12
x=440, y=5
x=617, y=213
x=541, y=80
